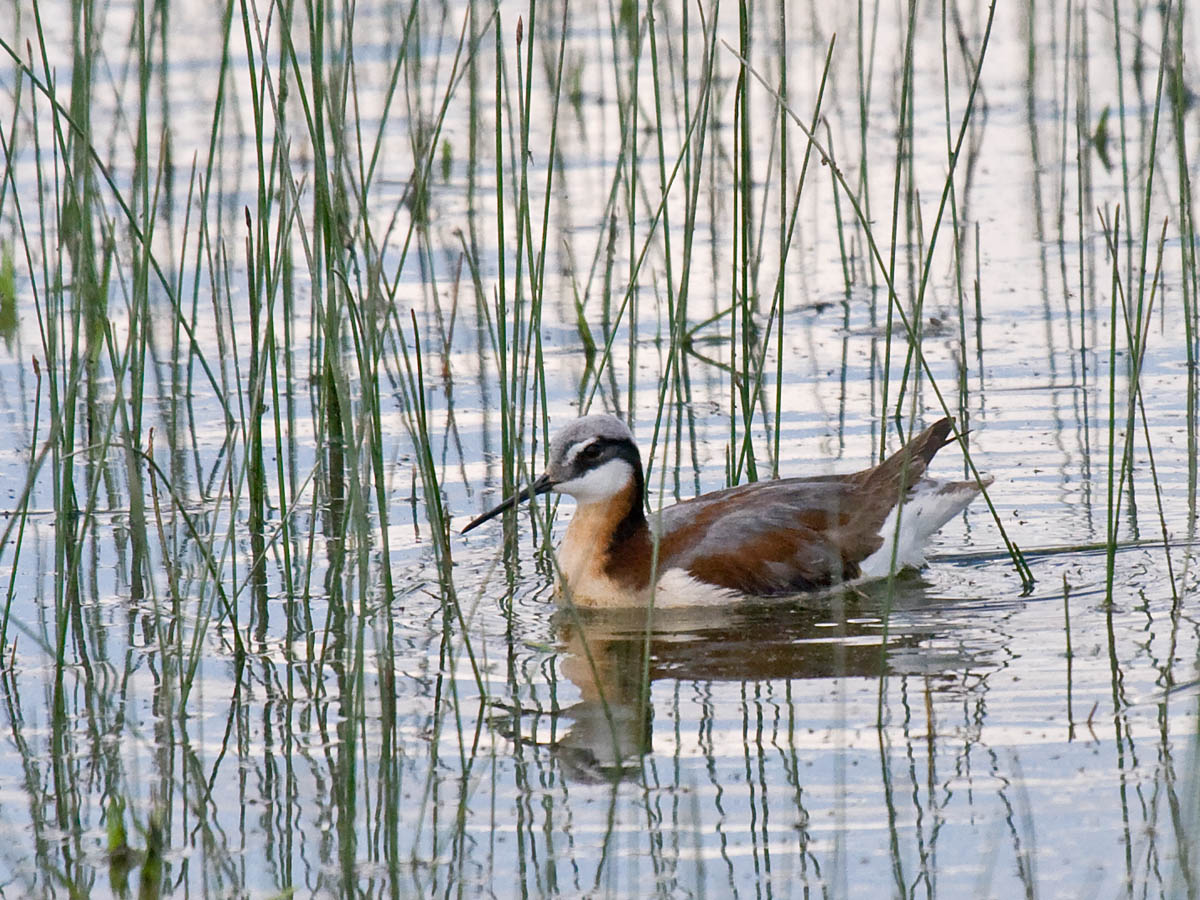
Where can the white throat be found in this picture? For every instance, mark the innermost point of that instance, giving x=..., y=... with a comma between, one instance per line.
x=600, y=484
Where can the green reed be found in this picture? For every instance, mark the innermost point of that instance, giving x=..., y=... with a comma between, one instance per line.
x=899, y=172
x=1133, y=300
x=1176, y=92
x=78, y=342
x=911, y=321
x=775, y=315
x=124, y=472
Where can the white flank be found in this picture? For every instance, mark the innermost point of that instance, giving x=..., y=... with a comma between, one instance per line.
x=676, y=589
x=930, y=506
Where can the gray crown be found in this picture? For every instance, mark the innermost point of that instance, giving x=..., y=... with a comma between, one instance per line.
x=584, y=429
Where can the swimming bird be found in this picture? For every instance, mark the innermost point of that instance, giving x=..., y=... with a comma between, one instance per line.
x=766, y=538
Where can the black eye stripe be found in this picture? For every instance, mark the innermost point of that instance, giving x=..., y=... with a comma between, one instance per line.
x=594, y=452
x=598, y=448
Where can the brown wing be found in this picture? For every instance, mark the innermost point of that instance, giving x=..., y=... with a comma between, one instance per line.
x=794, y=534
x=770, y=537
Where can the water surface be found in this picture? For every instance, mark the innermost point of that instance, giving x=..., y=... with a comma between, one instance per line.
x=205, y=697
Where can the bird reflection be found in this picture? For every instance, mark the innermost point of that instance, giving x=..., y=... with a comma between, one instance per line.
x=604, y=654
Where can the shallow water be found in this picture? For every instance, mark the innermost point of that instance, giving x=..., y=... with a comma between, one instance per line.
x=301, y=729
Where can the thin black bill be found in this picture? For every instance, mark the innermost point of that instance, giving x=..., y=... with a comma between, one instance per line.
x=540, y=486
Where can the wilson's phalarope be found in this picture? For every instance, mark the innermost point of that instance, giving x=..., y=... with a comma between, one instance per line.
x=761, y=539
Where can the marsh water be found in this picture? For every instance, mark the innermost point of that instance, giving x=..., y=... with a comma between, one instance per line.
x=290, y=293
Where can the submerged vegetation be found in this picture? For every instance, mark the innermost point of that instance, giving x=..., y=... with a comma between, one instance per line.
x=288, y=292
